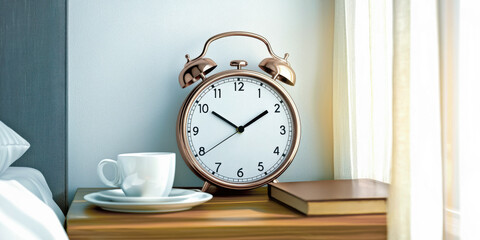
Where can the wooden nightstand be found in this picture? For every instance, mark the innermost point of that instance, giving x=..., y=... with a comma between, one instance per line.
x=249, y=216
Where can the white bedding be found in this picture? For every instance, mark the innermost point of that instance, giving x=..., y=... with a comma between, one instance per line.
x=27, y=209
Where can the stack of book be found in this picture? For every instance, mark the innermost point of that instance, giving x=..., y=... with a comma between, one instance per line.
x=332, y=197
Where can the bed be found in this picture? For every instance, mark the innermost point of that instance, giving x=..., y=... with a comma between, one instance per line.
x=27, y=209
x=27, y=206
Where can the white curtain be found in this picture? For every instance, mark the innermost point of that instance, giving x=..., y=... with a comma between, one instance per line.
x=406, y=92
x=362, y=89
x=390, y=117
x=467, y=117
x=416, y=209
x=444, y=123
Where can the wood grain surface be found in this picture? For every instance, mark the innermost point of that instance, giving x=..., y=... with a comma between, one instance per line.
x=248, y=216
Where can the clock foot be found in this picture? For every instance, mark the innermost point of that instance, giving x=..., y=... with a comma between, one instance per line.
x=205, y=187
x=275, y=181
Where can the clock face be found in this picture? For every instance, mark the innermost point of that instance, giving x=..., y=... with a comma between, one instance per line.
x=239, y=129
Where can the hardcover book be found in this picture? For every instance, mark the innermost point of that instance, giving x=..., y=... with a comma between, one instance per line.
x=332, y=197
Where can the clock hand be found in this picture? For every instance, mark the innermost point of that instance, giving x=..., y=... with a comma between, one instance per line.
x=255, y=119
x=221, y=142
x=224, y=119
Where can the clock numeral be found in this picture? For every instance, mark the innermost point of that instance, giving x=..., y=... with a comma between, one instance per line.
x=282, y=130
x=218, y=92
x=203, y=108
x=259, y=93
x=218, y=165
x=201, y=151
x=239, y=172
x=277, y=150
x=278, y=108
x=239, y=88
x=260, y=166
x=195, y=131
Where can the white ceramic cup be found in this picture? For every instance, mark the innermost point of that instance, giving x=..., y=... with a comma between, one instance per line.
x=147, y=174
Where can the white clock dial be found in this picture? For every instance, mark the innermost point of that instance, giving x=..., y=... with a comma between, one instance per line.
x=239, y=129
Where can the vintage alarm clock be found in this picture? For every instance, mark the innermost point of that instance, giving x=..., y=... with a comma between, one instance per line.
x=238, y=129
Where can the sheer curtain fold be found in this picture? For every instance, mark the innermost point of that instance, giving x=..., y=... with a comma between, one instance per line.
x=467, y=118
x=459, y=40
x=426, y=188
x=398, y=208
x=362, y=93
x=415, y=208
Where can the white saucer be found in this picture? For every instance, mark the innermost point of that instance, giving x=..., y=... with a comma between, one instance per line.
x=148, y=207
x=117, y=195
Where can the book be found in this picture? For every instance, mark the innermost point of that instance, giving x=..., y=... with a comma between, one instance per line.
x=332, y=197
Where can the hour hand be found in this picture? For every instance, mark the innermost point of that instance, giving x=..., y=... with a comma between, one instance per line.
x=224, y=119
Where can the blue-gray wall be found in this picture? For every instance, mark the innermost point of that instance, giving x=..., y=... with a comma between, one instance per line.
x=33, y=85
x=124, y=58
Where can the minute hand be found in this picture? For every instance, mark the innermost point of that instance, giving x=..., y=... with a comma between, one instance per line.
x=255, y=119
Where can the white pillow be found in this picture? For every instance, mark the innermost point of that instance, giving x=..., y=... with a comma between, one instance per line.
x=12, y=147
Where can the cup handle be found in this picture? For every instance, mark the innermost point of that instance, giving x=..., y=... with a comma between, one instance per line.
x=111, y=183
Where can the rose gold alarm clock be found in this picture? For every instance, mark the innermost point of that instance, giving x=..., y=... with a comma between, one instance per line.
x=238, y=129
